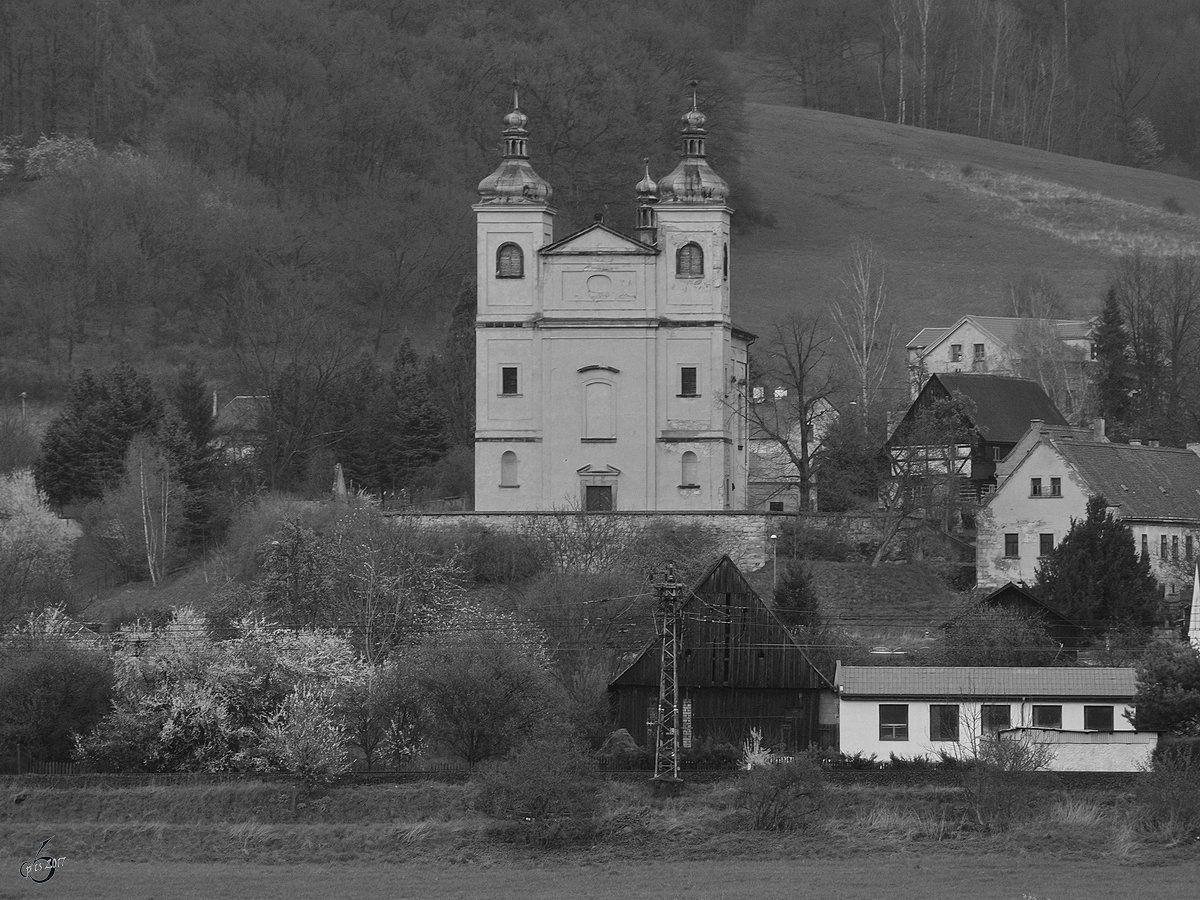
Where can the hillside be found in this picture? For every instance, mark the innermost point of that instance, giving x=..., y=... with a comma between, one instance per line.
x=957, y=218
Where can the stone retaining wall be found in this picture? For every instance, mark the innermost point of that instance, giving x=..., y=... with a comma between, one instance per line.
x=745, y=536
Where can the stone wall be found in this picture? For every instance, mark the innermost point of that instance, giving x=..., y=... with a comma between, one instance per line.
x=745, y=536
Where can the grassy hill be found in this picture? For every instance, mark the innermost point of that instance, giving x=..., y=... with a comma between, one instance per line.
x=956, y=218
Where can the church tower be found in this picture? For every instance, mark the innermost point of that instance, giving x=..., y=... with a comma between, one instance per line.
x=608, y=371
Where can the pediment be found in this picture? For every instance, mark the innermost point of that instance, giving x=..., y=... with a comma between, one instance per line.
x=598, y=238
x=589, y=469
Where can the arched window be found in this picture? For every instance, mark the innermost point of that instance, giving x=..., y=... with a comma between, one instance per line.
x=690, y=469
x=510, y=262
x=689, y=261
x=508, y=469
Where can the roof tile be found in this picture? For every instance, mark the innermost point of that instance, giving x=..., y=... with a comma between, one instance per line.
x=985, y=681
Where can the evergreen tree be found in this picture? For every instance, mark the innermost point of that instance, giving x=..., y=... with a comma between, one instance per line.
x=83, y=450
x=1096, y=575
x=1168, y=688
x=795, y=601
x=1111, y=377
x=417, y=424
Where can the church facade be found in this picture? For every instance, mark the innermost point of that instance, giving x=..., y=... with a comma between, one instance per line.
x=609, y=375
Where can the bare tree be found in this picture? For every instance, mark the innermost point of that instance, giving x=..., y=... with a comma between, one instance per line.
x=795, y=384
x=858, y=317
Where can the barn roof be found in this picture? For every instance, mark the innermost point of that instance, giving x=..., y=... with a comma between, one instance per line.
x=723, y=570
x=985, y=681
x=1004, y=406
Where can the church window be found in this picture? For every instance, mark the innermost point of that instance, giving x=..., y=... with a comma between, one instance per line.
x=599, y=412
x=687, y=381
x=510, y=262
x=725, y=263
x=689, y=261
x=509, y=381
x=508, y=469
x=690, y=469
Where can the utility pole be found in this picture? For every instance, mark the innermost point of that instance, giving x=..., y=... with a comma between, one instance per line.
x=666, y=754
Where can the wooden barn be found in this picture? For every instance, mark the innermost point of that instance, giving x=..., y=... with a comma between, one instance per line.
x=739, y=668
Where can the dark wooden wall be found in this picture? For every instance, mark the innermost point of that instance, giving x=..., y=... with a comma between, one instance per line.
x=737, y=664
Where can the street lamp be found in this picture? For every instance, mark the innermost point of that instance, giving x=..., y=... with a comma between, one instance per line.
x=774, y=569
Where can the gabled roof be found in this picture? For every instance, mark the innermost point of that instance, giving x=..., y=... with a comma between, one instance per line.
x=1004, y=406
x=985, y=681
x=598, y=238
x=1013, y=595
x=1142, y=482
x=1003, y=328
x=926, y=337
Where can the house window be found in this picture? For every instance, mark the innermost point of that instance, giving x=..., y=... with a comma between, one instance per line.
x=1097, y=718
x=1174, y=548
x=1187, y=548
x=689, y=261
x=1047, y=716
x=979, y=352
x=510, y=262
x=1145, y=545
x=775, y=506
x=995, y=717
x=956, y=353
x=1162, y=547
x=893, y=721
x=943, y=722
x=1010, y=545
x=1045, y=544
x=508, y=469
x=598, y=497
x=687, y=381
x=509, y=381
x=689, y=466
x=1035, y=487
x=1055, y=487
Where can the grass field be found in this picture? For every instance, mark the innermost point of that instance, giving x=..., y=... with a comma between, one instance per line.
x=928, y=876
x=951, y=243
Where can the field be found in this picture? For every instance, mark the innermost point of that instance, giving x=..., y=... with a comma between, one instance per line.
x=270, y=839
x=956, y=218
x=928, y=876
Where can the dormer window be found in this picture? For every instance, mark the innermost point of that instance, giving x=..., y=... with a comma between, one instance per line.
x=510, y=262
x=689, y=261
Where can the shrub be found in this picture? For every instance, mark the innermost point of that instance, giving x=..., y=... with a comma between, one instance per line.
x=996, y=781
x=1168, y=796
x=782, y=797
x=709, y=753
x=548, y=784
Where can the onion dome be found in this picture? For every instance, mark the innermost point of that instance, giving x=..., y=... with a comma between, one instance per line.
x=693, y=180
x=514, y=180
x=647, y=188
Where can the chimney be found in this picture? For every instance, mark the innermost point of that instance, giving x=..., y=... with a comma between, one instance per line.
x=1098, y=434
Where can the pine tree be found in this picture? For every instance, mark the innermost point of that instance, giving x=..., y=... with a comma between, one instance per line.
x=1096, y=575
x=83, y=451
x=1111, y=376
x=417, y=423
x=795, y=601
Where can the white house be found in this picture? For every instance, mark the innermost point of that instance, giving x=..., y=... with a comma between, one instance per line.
x=990, y=345
x=1080, y=713
x=774, y=483
x=609, y=374
x=1050, y=477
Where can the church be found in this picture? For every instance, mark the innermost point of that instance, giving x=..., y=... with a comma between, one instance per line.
x=609, y=374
